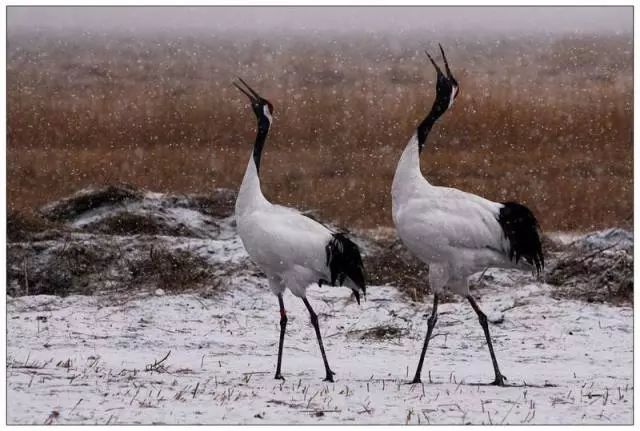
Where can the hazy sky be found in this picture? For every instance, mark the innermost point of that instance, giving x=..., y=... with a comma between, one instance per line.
x=251, y=18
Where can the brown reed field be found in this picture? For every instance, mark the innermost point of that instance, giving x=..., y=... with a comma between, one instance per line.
x=546, y=121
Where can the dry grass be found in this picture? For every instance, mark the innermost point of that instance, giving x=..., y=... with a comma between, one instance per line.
x=594, y=271
x=23, y=226
x=544, y=122
x=172, y=270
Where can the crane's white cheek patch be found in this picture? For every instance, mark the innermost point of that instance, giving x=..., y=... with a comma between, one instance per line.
x=267, y=113
x=454, y=92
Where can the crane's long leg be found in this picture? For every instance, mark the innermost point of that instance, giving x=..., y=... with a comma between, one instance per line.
x=430, y=324
x=499, y=381
x=314, y=322
x=283, y=327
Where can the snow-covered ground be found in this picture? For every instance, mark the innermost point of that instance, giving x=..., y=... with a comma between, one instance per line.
x=89, y=361
x=99, y=358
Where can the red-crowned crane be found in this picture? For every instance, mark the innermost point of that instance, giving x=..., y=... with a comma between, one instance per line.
x=457, y=233
x=293, y=250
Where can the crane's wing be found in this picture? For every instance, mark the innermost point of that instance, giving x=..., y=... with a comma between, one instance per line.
x=486, y=232
x=453, y=219
x=279, y=235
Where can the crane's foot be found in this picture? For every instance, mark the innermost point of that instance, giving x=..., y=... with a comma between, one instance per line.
x=499, y=380
x=329, y=377
x=279, y=376
x=415, y=380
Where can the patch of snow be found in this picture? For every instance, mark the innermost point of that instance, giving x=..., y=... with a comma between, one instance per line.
x=93, y=362
x=564, y=238
x=614, y=238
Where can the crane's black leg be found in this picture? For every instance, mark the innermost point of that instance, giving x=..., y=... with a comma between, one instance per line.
x=430, y=324
x=283, y=326
x=314, y=322
x=499, y=381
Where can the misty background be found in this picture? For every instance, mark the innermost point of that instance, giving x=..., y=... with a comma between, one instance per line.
x=143, y=95
x=459, y=19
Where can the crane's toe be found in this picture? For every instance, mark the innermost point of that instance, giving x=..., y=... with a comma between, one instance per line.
x=279, y=377
x=499, y=380
x=329, y=377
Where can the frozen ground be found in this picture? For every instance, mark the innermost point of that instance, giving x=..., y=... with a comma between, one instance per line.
x=91, y=362
x=99, y=358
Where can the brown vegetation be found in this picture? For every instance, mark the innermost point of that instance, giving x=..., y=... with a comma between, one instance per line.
x=172, y=270
x=547, y=122
x=119, y=240
x=595, y=272
x=23, y=226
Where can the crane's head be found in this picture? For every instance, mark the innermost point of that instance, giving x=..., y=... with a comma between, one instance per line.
x=447, y=88
x=261, y=106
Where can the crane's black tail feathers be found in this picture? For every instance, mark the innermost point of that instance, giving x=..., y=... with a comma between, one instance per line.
x=521, y=229
x=344, y=260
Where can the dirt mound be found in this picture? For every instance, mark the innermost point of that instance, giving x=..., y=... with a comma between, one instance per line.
x=596, y=267
x=118, y=239
x=125, y=210
x=389, y=262
x=171, y=270
x=101, y=264
x=220, y=203
x=27, y=227
x=85, y=200
x=129, y=223
x=57, y=267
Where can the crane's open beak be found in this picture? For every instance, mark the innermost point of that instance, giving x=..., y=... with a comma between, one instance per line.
x=251, y=94
x=447, y=88
x=446, y=65
x=438, y=71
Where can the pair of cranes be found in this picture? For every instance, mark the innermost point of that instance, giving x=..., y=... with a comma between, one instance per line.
x=456, y=233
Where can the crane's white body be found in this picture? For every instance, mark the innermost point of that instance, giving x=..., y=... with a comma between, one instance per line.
x=288, y=246
x=456, y=233
x=293, y=250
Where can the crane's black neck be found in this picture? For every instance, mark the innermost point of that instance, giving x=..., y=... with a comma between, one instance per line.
x=425, y=126
x=261, y=138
